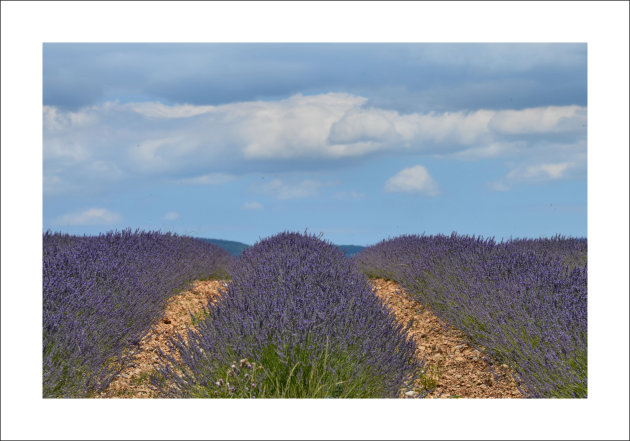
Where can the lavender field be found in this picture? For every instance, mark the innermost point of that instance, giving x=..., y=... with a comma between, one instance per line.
x=101, y=294
x=300, y=309
x=298, y=319
x=523, y=302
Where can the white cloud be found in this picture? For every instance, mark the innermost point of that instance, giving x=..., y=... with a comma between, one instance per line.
x=297, y=127
x=284, y=190
x=57, y=120
x=415, y=180
x=55, y=185
x=252, y=206
x=365, y=125
x=542, y=171
x=155, y=138
x=171, y=215
x=535, y=173
x=550, y=119
x=386, y=128
x=491, y=150
x=159, y=110
x=355, y=149
x=208, y=179
x=92, y=216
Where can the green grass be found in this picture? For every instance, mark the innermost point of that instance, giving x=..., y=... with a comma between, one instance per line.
x=300, y=372
x=578, y=363
x=294, y=372
x=219, y=275
x=142, y=379
x=431, y=376
x=199, y=317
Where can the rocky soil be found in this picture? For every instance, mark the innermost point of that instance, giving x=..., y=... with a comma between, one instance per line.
x=134, y=381
x=455, y=369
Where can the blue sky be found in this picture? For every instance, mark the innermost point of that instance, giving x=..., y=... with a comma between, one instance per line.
x=357, y=141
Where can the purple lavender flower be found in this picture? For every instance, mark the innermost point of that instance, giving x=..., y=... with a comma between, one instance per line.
x=296, y=303
x=524, y=301
x=101, y=295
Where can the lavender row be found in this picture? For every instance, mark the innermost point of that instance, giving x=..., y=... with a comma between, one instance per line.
x=524, y=302
x=101, y=294
x=300, y=311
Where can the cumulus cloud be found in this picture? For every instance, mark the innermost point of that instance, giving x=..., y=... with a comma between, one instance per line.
x=552, y=119
x=491, y=150
x=208, y=142
x=543, y=171
x=171, y=215
x=252, y=206
x=159, y=110
x=92, y=216
x=534, y=174
x=291, y=190
x=292, y=128
x=414, y=180
x=366, y=125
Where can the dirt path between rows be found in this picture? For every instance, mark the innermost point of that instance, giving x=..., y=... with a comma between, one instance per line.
x=458, y=368
x=133, y=382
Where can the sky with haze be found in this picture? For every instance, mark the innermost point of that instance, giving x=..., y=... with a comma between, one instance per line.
x=360, y=142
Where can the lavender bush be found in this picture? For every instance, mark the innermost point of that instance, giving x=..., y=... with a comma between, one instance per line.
x=299, y=310
x=523, y=301
x=101, y=295
x=570, y=251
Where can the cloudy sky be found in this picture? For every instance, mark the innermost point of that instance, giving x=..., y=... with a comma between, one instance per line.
x=357, y=141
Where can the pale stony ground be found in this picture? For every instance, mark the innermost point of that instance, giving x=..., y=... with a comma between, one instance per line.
x=134, y=381
x=458, y=368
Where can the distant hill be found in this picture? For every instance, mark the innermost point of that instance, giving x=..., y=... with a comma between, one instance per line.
x=236, y=248
x=350, y=250
x=232, y=247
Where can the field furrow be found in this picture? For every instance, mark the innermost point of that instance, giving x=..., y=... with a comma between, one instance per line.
x=134, y=380
x=135, y=315
x=455, y=369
